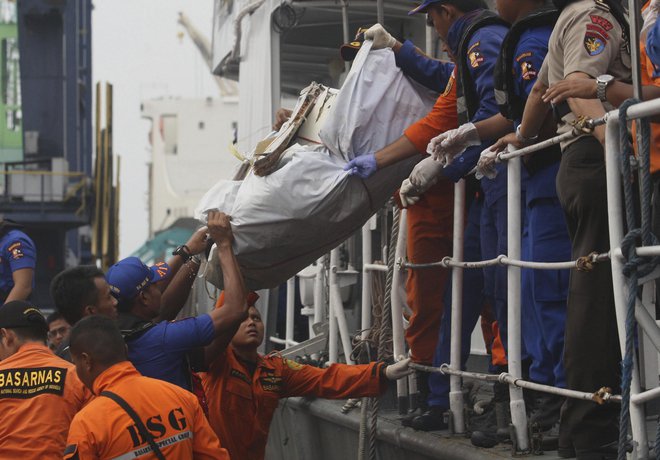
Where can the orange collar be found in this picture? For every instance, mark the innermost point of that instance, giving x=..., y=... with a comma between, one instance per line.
x=114, y=374
x=28, y=348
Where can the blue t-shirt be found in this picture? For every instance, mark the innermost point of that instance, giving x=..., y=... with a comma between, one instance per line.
x=432, y=73
x=653, y=47
x=529, y=55
x=161, y=351
x=17, y=251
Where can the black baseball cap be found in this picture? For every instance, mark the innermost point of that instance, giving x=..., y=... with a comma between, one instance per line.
x=349, y=50
x=19, y=313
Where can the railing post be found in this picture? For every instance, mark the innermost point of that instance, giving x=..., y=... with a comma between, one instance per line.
x=366, y=280
x=290, y=310
x=518, y=415
x=333, y=345
x=619, y=284
x=398, y=344
x=455, y=390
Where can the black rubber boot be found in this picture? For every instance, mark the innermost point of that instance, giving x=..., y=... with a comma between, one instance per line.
x=431, y=420
x=546, y=412
x=494, y=433
x=422, y=399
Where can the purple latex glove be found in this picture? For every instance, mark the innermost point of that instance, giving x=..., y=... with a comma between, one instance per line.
x=363, y=166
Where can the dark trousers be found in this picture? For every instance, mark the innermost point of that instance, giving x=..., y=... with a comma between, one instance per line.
x=591, y=354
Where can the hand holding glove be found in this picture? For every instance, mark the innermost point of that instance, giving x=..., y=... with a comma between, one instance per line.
x=408, y=193
x=380, y=37
x=398, y=370
x=423, y=176
x=486, y=164
x=363, y=166
x=445, y=147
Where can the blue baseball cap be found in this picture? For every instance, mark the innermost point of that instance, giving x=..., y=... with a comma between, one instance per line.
x=422, y=7
x=129, y=276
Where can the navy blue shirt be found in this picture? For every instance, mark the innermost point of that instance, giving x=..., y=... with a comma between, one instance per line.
x=432, y=73
x=653, y=47
x=17, y=251
x=529, y=55
x=161, y=351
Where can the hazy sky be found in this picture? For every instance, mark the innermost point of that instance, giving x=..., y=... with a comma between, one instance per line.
x=136, y=47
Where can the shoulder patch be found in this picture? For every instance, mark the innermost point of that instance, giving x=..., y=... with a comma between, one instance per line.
x=601, y=21
x=527, y=71
x=16, y=250
x=294, y=366
x=524, y=55
x=475, y=58
x=593, y=44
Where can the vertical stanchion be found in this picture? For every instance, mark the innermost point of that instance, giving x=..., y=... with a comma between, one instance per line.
x=380, y=11
x=398, y=344
x=619, y=284
x=455, y=390
x=333, y=345
x=514, y=352
x=290, y=306
x=319, y=290
x=346, y=34
x=366, y=281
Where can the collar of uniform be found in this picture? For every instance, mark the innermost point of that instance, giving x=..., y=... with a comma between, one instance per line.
x=261, y=360
x=30, y=347
x=114, y=374
x=455, y=32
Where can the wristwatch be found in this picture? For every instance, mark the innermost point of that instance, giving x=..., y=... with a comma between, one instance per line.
x=524, y=139
x=602, y=82
x=182, y=251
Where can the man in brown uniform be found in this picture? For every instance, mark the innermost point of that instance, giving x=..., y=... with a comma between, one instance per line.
x=587, y=42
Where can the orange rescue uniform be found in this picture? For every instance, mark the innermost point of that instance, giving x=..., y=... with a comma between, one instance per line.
x=242, y=403
x=430, y=232
x=103, y=430
x=646, y=76
x=39, y=395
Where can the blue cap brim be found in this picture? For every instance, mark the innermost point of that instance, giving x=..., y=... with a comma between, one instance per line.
x=420, y=9
x=159, y=272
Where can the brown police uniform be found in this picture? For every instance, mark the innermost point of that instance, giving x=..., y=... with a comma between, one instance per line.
x=587, y=38
x=173, y=416
x=39, y=395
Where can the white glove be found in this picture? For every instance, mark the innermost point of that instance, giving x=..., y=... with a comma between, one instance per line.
x=423, y=176
x=408, y=193
x=649, y=16
x=486, y=164
x=398, y=370
x=380, y=37
x=445, y=147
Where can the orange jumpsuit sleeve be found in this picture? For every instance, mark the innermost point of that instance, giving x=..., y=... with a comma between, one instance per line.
x=441, y=118
x=206, y=445
x=338, y=381
x=80, y=441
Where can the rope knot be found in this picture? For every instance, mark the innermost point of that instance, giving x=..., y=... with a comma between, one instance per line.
x=586, y=263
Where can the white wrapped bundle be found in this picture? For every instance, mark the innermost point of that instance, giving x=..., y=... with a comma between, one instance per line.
x=284, y=221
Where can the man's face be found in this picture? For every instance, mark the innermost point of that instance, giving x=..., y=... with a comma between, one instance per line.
x=58, y=330
x=83, y=368
x=106, y=304
x=251, y=331
x=152, y=299
x=441, y=19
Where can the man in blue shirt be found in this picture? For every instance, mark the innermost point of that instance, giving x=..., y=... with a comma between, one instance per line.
x=18, y=259
x=163, y=349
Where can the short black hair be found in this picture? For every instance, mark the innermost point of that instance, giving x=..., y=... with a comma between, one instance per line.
x=38, y=332
x=100, y=338
x=73, y=289
x=464, y=6
x=53, y=317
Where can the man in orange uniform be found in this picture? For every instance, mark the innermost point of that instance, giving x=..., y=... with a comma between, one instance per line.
x=166, y=418
x=243, y=388
x=39, y=392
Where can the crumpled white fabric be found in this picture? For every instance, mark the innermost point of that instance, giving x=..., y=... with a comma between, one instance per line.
x=286, y=220
x=486, y=164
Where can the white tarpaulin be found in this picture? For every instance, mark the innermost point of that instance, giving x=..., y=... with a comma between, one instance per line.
x=284, y=221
